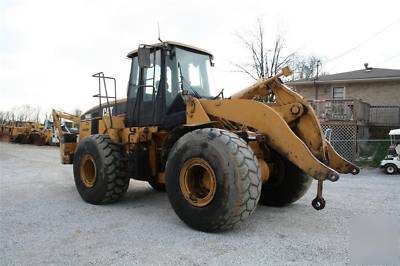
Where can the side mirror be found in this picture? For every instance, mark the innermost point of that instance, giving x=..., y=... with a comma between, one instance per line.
x=212, y=63
x=144, y=57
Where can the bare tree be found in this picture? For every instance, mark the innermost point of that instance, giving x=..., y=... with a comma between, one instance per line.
x=2, y=117
x=77, y=112
x=266, y=60
x=308, y=67
x=26, y=113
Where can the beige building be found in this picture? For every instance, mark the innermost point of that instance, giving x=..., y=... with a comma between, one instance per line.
x=375, y=86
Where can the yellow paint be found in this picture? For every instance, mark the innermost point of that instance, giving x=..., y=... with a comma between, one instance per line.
x=195, y=113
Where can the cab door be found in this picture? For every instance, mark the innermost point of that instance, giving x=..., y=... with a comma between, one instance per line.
x=146, y=97
x=150, y=84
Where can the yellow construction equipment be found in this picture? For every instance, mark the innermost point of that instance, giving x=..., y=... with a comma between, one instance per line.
x=216, y=157
x=5, y=130
x=29, y=133
x=19, y=131
x=48, y=134
x=66, y=134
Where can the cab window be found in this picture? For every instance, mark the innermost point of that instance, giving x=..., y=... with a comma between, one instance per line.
x=152, y=76
x=133, y=78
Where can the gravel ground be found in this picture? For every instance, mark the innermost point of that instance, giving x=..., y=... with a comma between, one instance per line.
x=44, y=221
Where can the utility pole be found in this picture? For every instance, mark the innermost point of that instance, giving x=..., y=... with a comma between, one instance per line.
x=315, y=79
x=293, y=67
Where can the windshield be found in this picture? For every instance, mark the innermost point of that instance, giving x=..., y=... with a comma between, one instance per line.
x=196, y=72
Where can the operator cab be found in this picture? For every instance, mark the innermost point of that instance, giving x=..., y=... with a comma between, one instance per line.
x=160, y=74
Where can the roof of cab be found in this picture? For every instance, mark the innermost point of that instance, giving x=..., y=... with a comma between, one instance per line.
x=187, y=46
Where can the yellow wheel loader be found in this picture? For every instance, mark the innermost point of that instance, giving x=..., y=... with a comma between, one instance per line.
x=217, y=157
x=25, y=133
x=19, y=131
x=66, y=135
x=5, y=130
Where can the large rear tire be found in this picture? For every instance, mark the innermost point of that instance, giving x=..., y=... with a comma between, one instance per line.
x=99, y=170
x=286, y=183
x=213, y=179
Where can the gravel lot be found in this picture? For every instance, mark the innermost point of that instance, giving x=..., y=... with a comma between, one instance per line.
x=44, y=221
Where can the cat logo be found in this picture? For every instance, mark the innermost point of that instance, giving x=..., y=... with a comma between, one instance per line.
x=105, y=110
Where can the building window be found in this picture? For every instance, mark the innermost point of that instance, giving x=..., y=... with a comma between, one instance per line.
x=338, y=93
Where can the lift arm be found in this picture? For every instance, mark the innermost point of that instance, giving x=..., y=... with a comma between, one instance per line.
x=300, y=117
x=288, y=123
x=58, y=115
x=67, y=144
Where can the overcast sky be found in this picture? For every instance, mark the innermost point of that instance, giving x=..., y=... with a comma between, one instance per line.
x=49, y=48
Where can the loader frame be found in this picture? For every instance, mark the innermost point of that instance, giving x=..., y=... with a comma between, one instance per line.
x=288, y=125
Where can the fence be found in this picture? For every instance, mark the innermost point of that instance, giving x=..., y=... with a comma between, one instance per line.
x=367, y=152
x=384, y=115
x=364, y=152
x=343, y=138
x=341, y=110
x=356, y=111
x=351, y=122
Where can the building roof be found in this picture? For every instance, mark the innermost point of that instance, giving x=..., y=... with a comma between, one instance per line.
x=187, y=46
x=366, y=74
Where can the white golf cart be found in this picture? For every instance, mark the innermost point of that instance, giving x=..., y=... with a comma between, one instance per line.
x=391, y=163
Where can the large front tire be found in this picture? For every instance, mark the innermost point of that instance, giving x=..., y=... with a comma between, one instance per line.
x=99, y=171
x=213, y=179
x=286, y=183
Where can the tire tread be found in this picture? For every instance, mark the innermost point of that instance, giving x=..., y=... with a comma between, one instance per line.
x=116, y=177
x=250, y=175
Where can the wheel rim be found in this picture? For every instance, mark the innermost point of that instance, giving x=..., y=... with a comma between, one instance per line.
x=197, y=182
x=88, y=171
x=390, y=169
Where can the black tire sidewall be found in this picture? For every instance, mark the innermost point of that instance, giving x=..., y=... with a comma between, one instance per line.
x=160, y=187
x=95, y=194
x=395, y=170
x=291, y=186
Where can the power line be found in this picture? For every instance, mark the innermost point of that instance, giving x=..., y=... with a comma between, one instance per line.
x=389, y=58
x=364, y=42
